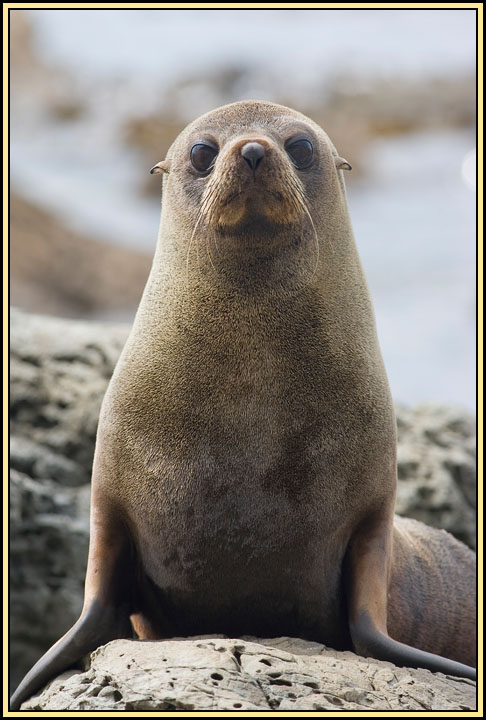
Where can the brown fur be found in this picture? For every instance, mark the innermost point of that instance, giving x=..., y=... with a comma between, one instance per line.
x=245, y=469
x=432, y=603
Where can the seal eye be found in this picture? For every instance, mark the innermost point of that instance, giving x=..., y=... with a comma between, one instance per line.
x=203, y=156
x=300, y=151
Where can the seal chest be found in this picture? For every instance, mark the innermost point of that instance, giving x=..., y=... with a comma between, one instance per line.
x=233, y=466
x=245, y=469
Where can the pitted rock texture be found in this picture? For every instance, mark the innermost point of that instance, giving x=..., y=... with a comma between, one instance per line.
x=58, y=375
x=437, y=469
x=213, y=673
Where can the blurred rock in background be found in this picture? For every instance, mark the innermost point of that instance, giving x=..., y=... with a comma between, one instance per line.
x=56, y=270
x=387, y=108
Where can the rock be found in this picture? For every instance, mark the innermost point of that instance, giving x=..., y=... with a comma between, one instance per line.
x=437, y=469
x=49, y=534
x=215, y=673
x=108, y=280
x=59, y=372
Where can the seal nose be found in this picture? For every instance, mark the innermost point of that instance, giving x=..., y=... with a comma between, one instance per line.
x=253, y=153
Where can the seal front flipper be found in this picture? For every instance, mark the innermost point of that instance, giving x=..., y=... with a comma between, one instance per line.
x=106, y=612
x=371, y=642
x=368, y=571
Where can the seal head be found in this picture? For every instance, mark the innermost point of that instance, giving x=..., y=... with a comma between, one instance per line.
x=246, y=182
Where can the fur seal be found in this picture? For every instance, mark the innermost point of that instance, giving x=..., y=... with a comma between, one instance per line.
x=245, y=469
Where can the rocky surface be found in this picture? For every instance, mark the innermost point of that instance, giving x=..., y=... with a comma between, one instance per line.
x=214, y=673
x=59, y=372
x=437, y=469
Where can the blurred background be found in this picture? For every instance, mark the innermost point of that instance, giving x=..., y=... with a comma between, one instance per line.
x=97, y=97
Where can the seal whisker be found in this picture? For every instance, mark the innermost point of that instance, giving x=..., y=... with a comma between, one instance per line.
x=205, y=212
x=209, y=201
x=299, y=204
x=316, y=238
x=199, y=217
x=208, y=251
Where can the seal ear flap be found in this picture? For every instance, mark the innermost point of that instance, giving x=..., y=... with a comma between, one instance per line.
x=342, y=164
x=161, y=167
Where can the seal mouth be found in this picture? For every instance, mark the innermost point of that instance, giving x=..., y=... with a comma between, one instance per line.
x=248, y=215
x=255, y=200
x=224, y=208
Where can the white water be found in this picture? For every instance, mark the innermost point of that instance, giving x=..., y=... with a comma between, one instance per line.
x=304, y=45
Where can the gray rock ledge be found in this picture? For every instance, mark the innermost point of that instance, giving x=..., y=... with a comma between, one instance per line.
x=214, y=673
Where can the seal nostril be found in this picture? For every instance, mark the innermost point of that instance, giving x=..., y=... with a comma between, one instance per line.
x=253, y=153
